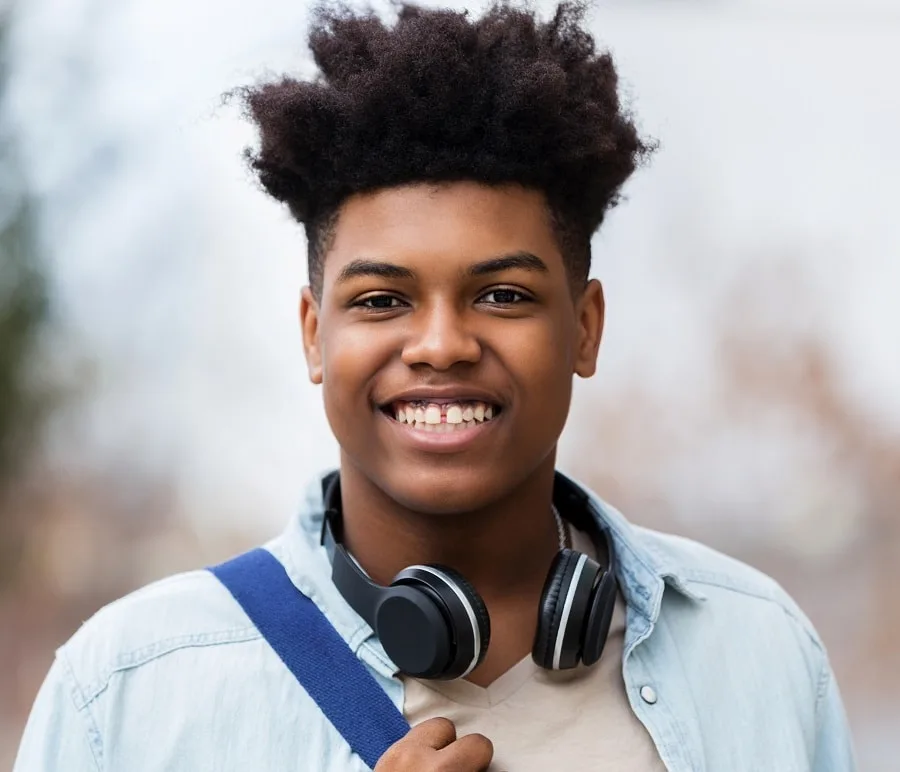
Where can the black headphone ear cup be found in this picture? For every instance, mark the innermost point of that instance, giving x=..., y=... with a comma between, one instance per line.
x=468, y=629
x=600, y=616
x=566, y=604
x=414, y=631
x=482, y=618
x=549, y=609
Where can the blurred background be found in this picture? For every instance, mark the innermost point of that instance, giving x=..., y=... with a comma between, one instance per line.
x=154, y=410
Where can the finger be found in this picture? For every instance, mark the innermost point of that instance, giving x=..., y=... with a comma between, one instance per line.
x=469, y=752
x=436, y=733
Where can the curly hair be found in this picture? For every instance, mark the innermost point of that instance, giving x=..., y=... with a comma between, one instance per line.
x=441, y=97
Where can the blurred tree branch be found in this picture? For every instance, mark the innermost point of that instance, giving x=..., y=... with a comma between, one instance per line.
x=23, y=311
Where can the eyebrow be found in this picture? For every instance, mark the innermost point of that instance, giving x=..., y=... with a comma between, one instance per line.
x=525, y=261
x=357, y=268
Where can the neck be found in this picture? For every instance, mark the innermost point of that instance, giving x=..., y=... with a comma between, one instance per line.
x=504, y=549
x=501, y=548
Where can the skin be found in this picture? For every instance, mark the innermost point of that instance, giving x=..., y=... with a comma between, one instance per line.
x=443, y=317
x=432, y=745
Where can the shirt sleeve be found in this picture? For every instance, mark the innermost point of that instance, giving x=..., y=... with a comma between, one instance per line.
x=59, y=736
x=834, y=746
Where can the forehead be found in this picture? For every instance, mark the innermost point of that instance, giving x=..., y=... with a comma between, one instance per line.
x=442, y=225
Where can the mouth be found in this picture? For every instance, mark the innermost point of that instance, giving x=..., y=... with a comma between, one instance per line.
x=442, y=417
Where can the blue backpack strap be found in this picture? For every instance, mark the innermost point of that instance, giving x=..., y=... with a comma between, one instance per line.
x=323, y=663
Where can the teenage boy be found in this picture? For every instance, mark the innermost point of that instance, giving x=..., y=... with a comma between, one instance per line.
x=450, y=172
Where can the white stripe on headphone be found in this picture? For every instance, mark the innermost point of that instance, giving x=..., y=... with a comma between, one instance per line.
x=567, y=610
x=470, y=612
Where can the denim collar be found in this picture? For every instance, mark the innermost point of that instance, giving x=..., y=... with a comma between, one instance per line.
x=643, y=571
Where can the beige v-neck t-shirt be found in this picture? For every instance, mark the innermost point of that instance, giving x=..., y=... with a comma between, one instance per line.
x=540, y=720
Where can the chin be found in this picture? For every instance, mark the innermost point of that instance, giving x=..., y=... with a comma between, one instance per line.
x=442, y=492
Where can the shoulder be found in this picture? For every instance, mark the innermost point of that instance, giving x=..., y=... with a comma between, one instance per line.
x=724, y=580
x=186, y=610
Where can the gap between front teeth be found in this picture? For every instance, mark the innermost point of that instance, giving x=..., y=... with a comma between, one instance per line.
x=443, y=417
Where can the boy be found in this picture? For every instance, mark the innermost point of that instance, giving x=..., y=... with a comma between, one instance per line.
x=450, y=173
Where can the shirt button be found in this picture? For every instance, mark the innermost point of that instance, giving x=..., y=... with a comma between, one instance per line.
x=648, y=695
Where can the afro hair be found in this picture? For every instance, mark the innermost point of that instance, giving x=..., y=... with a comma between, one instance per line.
x=438, y=97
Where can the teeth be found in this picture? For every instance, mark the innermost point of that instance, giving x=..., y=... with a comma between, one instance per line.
x=445, y=417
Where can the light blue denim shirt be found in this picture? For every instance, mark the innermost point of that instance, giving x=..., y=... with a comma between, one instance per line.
x=175, y=677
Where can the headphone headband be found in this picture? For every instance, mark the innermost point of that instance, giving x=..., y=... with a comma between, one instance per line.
x=433, y=624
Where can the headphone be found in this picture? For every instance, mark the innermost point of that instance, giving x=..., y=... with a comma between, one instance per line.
x=434, y=625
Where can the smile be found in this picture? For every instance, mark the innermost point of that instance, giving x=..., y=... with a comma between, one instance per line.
x=442, y=417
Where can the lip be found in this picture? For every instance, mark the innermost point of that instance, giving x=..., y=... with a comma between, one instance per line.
x=444, y=442
x=443, y=395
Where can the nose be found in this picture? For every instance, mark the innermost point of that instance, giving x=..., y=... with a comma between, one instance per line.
x=440, y=339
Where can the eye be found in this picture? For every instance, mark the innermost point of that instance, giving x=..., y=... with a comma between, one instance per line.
x=503, y=296
x=380, y=302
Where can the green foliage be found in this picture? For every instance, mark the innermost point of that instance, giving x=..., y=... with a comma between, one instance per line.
x=22, y=312
x=23, y=300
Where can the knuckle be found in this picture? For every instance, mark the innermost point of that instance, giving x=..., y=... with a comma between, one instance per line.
x=444, y=724
x=401, y=755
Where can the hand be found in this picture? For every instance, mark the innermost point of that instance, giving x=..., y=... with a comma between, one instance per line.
x=432, y=747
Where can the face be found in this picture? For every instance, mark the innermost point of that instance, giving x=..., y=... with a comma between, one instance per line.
x=446, y=338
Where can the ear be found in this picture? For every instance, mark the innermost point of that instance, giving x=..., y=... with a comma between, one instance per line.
x=309, y=325
x=590, y=313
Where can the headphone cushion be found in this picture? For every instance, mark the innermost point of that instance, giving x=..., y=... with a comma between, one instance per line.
x=600, y=615
x=550, y=609
x=446, y=585
x=482, y=617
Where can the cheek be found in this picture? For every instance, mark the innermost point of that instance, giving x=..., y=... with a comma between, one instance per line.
x=351, y=357
x=542, y=361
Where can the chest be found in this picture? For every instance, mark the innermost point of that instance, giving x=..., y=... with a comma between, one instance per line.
x=549, y=726
x=712, y=708
x=714, y=700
